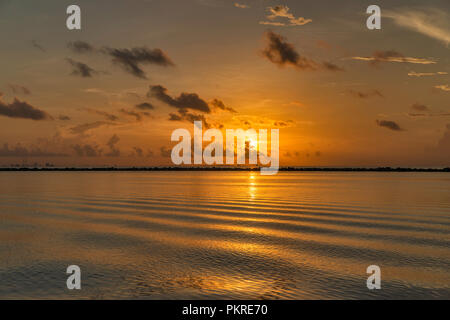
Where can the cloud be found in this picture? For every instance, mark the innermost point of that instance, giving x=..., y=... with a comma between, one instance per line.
x=131, y=59
x=331, y=66
x=138, y=152
x=282, y=11
x=82, y=128
x=392, y=125
x=282, y=53
x=19, y=151
x=81, y=69
x=137, y=115
x=419, y=107
x=37, y=46
x=112, y=146
x=165, y=152
x=18, y=89
x=392, y=56
x=218, y=104
x=183, y=101
x=80, y=47
x=145, y=106
x=432, y=22
x=63, y=118
x=87, y=150
x=443, y=87
x=108, y=116
x=241, y=6
x=425, y=74
x=184, y=115
x=365, y=95
x=21, y=109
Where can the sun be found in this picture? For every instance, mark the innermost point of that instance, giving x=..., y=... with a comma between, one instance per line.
x=253, y=144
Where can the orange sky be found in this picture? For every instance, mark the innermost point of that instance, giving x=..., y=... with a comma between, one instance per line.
x=113, y=92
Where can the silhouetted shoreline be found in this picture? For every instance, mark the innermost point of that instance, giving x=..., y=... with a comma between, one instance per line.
x=326, y=169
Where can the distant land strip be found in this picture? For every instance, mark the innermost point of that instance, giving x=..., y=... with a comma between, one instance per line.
x=327, y=169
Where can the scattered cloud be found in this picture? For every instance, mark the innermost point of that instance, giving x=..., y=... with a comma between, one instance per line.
x=81, y=69
x=132, y=59
x=392, y=125
x=183, y=101
x=392, y=56
x=283, y=12
x=431, y=22
x=22, y=109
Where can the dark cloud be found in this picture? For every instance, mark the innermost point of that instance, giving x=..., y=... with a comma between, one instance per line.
x=331, y=66
x=82, y=128
x=392, y=125
x=184, y=115
x=108, y=116
x=283, y=53
x=18, y=89
x=20, y=151
x=21, y=109
x=365, y=95
x=145, y=106
x=138, y=152
x=165, y=152
x=63, y=117
x=220, y=105
x=80, y=47
x=87, y=150
x=131, y=59
x=37, y=46
x=419, y=107
x=183, y=101
x=137, y=115
x=114, y=152
x=81, y=69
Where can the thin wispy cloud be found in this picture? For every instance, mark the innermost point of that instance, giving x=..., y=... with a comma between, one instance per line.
x=283, y=12
x=431, y=22
x=425, y=74
x=392, y=56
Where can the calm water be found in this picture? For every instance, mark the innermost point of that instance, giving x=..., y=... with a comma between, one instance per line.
x=237, y=235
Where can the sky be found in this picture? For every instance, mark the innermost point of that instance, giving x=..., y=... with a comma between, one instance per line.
x=112, y=93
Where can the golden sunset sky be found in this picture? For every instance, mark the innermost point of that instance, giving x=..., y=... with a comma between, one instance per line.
x=113, y=92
